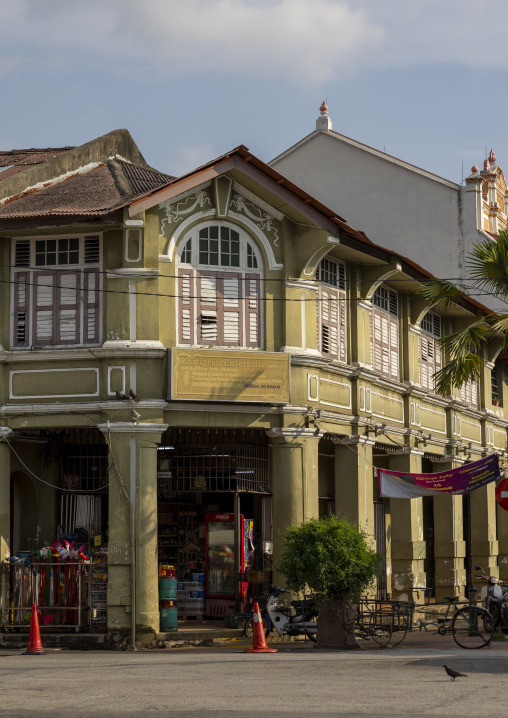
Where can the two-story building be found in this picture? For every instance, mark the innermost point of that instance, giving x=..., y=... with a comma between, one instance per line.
x=177, y=350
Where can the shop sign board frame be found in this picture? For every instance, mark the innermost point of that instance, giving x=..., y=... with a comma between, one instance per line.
x=213, y=375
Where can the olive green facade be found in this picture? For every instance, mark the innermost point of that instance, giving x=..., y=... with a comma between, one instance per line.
x=343, y=419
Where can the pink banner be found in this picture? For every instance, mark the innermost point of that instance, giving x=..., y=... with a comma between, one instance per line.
x=469, y=477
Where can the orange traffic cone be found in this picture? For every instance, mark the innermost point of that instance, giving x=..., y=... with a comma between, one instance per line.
x=34, y=639
x=258, y=635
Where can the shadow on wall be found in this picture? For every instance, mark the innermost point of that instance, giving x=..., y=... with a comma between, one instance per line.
x=24, y=523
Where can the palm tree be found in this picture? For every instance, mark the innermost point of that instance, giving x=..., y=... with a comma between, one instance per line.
x=488, y=265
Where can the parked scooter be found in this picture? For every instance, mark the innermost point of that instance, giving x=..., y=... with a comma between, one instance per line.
x=303, y=622
x=494, y=597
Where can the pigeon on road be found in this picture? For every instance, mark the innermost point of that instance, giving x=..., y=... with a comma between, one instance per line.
x=454, y=674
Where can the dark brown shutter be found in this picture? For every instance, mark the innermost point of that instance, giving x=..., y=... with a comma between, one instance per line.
x=252, y=311
x=68, y=293
x=44, y=308
x=92, y=304
x=186, y=314
x=21, y=309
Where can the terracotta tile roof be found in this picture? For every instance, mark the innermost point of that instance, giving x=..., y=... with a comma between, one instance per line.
x=32, y=156
x=89, y=191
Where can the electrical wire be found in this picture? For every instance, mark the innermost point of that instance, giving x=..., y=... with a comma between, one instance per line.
x=66, y=491
x=247, y=297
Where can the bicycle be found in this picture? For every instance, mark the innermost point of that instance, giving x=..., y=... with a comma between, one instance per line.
x=470, y=625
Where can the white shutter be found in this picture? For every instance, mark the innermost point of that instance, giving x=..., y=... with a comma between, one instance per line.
x=186, y=314
x=231, y=310
x=208, y=310
x=394, y=348
x=329, y=325
x=252, y=328
x=92, y=305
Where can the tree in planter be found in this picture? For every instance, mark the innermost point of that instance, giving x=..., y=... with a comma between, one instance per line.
x=333, y=559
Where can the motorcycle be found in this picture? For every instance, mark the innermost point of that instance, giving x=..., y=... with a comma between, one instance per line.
x=494, y=597
x=275, y=616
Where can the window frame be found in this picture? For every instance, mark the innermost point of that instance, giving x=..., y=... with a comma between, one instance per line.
x=189, y=301
x=385, y=320
x=332, y=315
x=429, y=338
x=87, y=287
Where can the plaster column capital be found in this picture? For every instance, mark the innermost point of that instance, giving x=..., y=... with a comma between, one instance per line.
x=355, y=439
x=127, y=427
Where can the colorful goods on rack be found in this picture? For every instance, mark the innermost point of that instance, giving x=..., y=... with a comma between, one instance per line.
x=191, y=596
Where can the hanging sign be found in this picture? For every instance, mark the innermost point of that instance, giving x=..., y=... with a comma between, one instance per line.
x=502, y=494
x=397, y=485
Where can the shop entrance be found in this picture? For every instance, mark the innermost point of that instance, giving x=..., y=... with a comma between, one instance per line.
x=214, y=517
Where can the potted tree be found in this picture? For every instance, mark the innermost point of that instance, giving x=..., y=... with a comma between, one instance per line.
x=332, y=558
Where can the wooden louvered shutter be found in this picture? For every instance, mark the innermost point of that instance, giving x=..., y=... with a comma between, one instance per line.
x=44, y=308
x=474, y=393
x=252, y=310
x=329, y=324
x=207, y=325
x=186, y=314
x=91, y=300
x=341, y=303
x=21, y=309
x=424, y=368
x=376, y=341
x=68, y=309
x=231, y=298
x=437, y=363
x=394, y=348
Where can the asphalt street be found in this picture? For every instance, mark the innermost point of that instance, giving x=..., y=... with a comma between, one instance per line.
x=297, y=681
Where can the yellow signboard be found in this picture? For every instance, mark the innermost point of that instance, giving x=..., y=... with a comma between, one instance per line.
x=206, y=375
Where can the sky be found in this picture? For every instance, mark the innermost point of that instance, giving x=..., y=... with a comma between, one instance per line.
x=423, y=80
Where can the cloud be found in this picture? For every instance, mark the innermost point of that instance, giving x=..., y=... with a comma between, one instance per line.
x=311, y=42
x=186, y=159
x=307, y=41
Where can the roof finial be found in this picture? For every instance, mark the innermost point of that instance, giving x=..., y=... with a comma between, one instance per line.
x=486, y=166
x=492, y=157
x=323, y=122
x=475, y=169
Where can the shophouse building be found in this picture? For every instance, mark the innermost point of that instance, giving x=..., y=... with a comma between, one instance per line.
x=177, y=350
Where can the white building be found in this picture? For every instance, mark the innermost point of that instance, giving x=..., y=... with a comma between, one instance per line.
x=432, y=220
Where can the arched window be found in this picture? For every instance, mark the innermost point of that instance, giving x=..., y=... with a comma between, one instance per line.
x=219, y=293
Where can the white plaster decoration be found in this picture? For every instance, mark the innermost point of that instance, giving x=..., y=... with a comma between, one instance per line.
x=123, y=347
x=176, y=209
x=263, y=218
x=489, y=365
x=133, y=377
x=5, y=431
x=132, y=311
x=296, y=283
x=355, y=439
x=127, y=427
x=312, y=264
x=208, y=214
x=111, y=369
x=303, y=310
x=258, y=201
x=338, y=383
x=312, y=383
x=132, y=235
x=65, y=407
x=133, y=223
x=298, y=351
x=131, y=273
x=295, y=432
x=334, y=240
x=12, y=374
